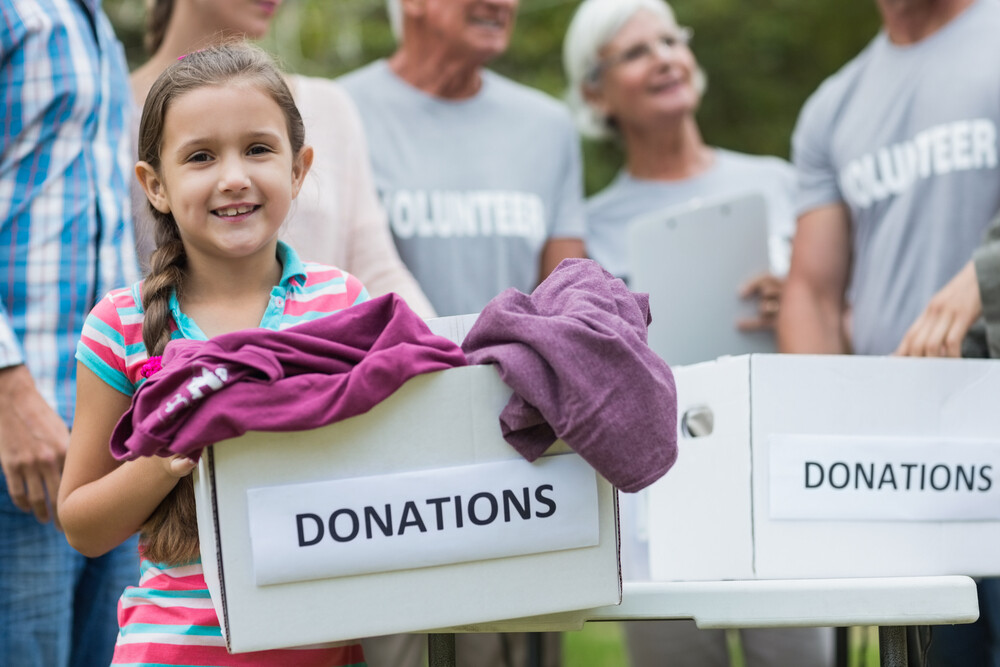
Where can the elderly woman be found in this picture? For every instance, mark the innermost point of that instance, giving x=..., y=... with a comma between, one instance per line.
x=633, y=78
x=337, y=218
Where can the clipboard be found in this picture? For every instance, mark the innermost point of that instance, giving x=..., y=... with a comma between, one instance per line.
x=692, y=261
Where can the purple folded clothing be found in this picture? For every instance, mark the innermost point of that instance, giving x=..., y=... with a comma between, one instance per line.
x=304, y=377
x=575, y=353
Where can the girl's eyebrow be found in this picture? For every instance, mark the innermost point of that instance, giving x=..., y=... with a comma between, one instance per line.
x=191, y=144
x=200, y=142
x=264, y=134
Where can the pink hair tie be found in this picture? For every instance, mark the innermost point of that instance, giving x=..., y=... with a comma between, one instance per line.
x=187, y=54
x=152, y=365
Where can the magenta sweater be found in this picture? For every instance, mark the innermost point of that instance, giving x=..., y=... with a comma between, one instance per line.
x=574, y=351
x=304, y=377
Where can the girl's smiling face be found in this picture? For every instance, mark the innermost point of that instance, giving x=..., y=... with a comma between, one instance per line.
x=227, y=172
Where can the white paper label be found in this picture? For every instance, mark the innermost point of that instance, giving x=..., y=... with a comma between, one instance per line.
x=423, y=518
x=883, y=479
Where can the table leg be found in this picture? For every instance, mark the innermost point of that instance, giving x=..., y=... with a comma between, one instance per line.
x=842, y=648
x=535, y=649
x=892, y=646
x=441, y=649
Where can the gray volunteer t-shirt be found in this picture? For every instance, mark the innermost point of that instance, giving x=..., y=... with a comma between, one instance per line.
x=610, y=211
x=473, y=188
x=906, y=136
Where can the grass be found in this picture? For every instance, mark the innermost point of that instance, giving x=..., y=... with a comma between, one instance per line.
x=597, y=645
x=602, y=645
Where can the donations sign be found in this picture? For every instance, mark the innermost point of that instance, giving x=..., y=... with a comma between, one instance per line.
x=884, y=478
x=422, y=518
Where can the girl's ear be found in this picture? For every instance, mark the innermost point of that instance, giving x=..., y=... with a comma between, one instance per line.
x=303, y=161
x=153, y=186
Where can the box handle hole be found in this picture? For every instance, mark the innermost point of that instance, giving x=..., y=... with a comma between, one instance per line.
x=698, y=422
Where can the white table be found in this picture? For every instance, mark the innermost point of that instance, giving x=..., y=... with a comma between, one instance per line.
x=889, y=603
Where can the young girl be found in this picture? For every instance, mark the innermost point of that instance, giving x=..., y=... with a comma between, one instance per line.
x=222, y=156
x=338, y=218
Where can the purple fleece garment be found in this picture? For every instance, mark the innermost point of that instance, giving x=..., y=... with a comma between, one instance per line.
x=300, y=378
x=576, y=356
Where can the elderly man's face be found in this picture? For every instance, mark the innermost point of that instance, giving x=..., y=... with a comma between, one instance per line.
x=479, y=28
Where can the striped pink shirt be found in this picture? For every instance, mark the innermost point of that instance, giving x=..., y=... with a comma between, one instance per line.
x=168, y=619
x=111, y=345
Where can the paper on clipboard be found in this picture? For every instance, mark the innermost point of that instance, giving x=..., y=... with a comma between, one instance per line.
x=692, y=261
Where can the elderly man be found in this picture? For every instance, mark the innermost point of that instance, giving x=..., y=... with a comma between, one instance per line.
x=481, y=176
x=481, y=179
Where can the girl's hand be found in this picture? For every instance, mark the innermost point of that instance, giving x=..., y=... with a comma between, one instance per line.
x=179, y=465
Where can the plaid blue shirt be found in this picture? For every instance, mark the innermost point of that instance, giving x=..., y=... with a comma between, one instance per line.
x=65, y=162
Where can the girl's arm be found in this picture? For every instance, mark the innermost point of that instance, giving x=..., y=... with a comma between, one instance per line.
x=102, y=502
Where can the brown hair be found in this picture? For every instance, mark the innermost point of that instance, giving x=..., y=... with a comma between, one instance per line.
x=170, y=535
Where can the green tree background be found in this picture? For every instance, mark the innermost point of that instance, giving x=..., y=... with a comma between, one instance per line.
x=763, y=57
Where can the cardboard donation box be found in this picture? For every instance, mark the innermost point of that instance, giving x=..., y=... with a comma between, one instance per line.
x=414, y=516
x=794, y=466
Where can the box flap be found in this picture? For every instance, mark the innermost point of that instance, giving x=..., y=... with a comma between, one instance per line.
x=699, y=514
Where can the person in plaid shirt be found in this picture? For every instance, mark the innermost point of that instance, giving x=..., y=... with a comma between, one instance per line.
x=65, y=240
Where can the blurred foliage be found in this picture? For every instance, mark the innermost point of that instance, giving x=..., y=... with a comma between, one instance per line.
x=763, y=57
